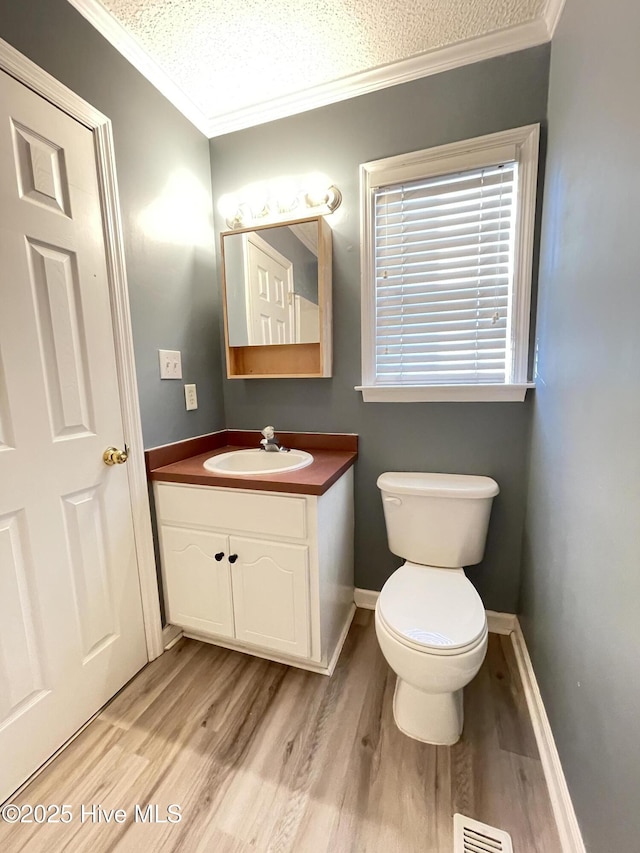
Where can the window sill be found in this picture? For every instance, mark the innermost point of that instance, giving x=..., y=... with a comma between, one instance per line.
x=444, y=393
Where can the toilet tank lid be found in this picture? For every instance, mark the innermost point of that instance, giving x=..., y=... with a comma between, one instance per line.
x=438, y=485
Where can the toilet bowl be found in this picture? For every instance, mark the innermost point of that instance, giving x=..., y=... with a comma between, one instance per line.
x=430, y=621
x=432, y=630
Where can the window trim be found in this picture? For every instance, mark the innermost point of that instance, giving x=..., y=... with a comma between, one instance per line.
x=520, y=144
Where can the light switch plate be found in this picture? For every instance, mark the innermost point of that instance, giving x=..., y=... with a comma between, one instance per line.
x=190, y=397
x=170, y=364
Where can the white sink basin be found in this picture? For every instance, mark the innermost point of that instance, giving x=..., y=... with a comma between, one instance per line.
x=244, y=463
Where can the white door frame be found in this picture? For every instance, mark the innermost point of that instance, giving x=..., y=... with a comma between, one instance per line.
x=42, y=83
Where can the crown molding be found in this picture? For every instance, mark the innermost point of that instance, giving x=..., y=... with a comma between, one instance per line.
x=508, y=40
x=113, y=31
x=552, y=13
x=435, y=61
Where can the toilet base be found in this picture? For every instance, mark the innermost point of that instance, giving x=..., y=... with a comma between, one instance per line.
x=435, y=718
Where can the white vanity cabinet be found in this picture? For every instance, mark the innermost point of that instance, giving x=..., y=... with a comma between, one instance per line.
x=270, y=585
x=264, y=572
x=197, y=580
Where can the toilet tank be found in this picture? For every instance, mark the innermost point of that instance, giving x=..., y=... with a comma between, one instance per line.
x=437, y=519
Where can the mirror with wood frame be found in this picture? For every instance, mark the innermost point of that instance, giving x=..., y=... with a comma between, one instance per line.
x=277, y=300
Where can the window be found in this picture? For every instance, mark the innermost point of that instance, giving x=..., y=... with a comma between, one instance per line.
x=447, y=246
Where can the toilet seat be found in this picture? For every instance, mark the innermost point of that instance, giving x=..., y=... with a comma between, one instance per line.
x=433, y=610
x=431, y=651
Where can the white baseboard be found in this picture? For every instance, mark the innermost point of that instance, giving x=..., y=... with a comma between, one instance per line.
x=568, y=829
x=170, y=636
x=365, y=598
x=501, y=623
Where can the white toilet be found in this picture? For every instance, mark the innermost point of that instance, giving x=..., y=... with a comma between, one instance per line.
x=430, y=621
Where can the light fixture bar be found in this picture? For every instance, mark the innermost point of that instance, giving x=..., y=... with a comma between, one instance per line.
x=254, y=205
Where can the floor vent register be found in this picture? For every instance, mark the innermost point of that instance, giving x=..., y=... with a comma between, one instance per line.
x=471, y=836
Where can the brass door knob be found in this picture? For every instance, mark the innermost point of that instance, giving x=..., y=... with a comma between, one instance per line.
x=113, y=456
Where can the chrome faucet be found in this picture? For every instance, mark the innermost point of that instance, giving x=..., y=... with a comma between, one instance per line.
x=270, y=442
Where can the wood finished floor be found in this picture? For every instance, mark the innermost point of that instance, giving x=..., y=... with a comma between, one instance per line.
x=264, y=758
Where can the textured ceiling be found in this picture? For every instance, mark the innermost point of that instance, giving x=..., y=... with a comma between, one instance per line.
x=228, y=56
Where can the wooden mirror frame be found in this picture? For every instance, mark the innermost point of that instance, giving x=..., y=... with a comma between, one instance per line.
x=286, y=361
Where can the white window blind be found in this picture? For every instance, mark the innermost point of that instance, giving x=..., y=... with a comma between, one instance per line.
x=443, y=257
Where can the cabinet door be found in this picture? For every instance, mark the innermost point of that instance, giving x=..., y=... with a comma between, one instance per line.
x=197, y=582
x=271, y=594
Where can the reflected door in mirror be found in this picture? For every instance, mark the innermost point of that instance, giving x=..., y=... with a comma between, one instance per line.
x=269, y=292
x=272, y=285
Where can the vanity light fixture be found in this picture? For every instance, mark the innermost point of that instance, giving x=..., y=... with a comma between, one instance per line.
x=264, y=204
x=331, y=198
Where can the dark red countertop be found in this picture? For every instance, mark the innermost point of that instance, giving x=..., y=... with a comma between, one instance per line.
x=182, y=462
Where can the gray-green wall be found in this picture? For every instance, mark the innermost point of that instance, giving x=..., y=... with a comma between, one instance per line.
x=171, y=284
x=581, y=576
x=475, y=438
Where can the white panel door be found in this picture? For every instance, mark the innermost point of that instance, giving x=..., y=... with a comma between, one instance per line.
x=270, y=582
x=270, y=317
x=197, y=580
x=71, y=627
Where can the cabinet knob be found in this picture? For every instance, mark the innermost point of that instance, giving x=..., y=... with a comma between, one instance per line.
x=219, y=555
x=233, y=558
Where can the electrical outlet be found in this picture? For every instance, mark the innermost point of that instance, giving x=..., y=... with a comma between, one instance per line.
x=170, y=364
x=190, y=397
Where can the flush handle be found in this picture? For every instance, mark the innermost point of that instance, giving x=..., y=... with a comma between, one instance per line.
x=393, y=501
x=219, y=555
